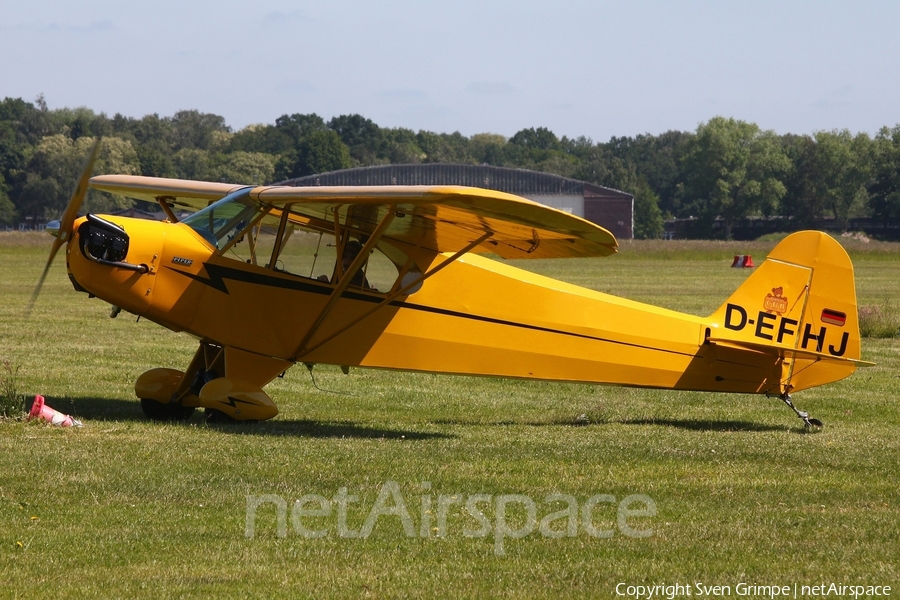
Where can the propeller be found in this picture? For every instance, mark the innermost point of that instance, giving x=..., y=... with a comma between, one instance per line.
x=63, y=231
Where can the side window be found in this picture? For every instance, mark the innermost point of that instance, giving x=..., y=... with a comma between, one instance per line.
x=314, y=254
x=306, y=253
x=381, y=273
x=244, y=246
x=306, y=249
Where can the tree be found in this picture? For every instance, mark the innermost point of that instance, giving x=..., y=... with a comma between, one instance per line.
x=30, y=122
x=155, y=162
x=192, y=163
x=558, y=163
x=297, y=126
x=603, y=168
x=732, y=169
x=884, y=190
x=40, y=198
x=268, y=139
x=362, y=137
x=290, y=142
x=844, y=169
x=657, y=160
x=80, y=122
x=195, y=130
x=530, y=147
x=285, y=165
x=487, y=148
x=648, y=218
x=444, y=147
x=402, y=146
x=254, y=168
x=600, y=166
x=323, y=151
x=12, y=155
x=51, y=171
x=7, y=208
x=115, y=156
x=802, y=201
x=578, y=148
x=536, y=139
x=151, y=129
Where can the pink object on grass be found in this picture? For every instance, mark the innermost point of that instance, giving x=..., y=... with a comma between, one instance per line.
x=41, y=411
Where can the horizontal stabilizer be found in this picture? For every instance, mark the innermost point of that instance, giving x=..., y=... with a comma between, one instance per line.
x=783, y=351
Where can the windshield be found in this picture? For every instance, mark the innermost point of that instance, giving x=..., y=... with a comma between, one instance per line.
x=218, y=223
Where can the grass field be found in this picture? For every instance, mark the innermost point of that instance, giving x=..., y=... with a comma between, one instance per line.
x=742, y=493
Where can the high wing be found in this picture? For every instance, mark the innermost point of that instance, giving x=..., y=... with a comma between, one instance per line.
x=440, y=218
x=181, y=193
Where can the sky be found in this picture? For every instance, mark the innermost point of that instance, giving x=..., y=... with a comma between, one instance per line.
x=577, y=67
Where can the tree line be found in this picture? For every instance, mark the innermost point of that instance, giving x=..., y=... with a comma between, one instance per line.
x=726, y=169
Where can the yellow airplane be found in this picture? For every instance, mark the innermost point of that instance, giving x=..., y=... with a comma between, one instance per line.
x=390, y=277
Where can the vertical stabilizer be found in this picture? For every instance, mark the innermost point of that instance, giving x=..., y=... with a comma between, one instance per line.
x=800, y=304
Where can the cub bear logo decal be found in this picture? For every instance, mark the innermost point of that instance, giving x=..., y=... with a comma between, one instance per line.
x=776, y=302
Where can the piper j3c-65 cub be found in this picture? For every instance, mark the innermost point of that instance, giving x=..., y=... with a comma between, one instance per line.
x=390, y=277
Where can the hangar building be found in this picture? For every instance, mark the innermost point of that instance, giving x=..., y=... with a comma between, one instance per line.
x=607, y=207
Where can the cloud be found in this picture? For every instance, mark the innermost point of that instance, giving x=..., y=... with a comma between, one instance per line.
x=844, y=90
x=404, y=94
x=830, y=104
x=280, y=19
x=842, y=97
x=490, y=88
x=95, y=26
x=295, y=86
x=55, y=27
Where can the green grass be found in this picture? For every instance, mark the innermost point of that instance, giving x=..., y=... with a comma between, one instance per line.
x=12, y=403
x=880, y=320
x=128, y=508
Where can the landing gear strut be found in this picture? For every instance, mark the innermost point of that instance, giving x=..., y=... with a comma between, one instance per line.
x=810, y=423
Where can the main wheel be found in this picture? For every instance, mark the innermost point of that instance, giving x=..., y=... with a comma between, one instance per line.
x=157, y=411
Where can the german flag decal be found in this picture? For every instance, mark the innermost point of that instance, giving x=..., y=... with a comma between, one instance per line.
x=833, y=317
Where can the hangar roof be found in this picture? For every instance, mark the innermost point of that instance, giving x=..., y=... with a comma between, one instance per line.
x=522, y=182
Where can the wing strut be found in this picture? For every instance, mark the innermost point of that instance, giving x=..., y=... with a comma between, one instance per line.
x=344, y=279
x=391, y=297
x=163, y=202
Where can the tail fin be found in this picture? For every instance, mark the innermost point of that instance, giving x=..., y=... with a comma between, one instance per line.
x=801, y=305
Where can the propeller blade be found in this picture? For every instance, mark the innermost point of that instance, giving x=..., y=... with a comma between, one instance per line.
x=68, y=219
x=71, y=213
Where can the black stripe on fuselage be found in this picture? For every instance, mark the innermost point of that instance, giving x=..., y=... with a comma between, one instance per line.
x=218, y=274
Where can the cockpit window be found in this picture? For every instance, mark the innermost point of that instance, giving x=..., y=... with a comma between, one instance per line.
x=278, y=239
x=221, y=221
x=313, y=253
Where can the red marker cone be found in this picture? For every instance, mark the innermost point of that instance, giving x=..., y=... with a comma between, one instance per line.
x=42, y=412
x=742, y=261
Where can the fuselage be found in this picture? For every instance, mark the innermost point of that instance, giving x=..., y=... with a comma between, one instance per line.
x=476, y=316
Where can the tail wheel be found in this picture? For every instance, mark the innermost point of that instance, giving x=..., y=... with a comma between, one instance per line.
x=157, y=411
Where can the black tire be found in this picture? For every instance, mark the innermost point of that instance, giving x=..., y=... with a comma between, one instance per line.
x=157, y=411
